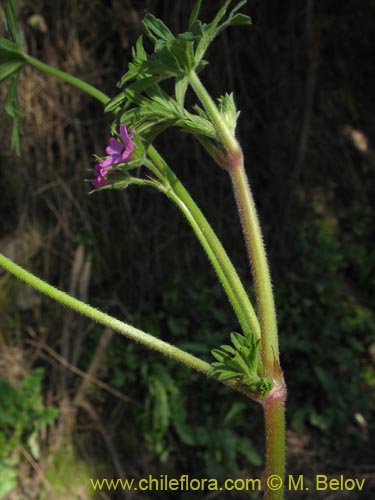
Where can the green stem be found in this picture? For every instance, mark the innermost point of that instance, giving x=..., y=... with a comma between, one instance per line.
x=100, y=317
x=76, y=82
x=260, y=269
x=213, y=247
x=251, y=229
x=274, y=416
x=229, y=141
x=128, y=331
x=274, y=404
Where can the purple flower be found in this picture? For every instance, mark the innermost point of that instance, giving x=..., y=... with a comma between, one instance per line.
x=119, y=152
x=100, y=173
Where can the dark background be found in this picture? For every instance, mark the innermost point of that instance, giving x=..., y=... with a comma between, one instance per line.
x=303, y=78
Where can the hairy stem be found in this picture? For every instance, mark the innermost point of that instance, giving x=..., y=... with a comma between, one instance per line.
x=260, y=269
x=100, y=317
x=128, y=331
x=229, y=141
x=274, y=404
x=76, y=82
x=274, y=416
x=213, y=247
x=251, y=229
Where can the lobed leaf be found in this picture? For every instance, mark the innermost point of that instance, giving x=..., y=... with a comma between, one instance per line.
x=243, y=363
x=156, y=30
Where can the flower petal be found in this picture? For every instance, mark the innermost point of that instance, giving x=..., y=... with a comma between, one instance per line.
x=100, y=182
x=114, y=147
x=124, y=134
x=127, y=153
x=107, y=162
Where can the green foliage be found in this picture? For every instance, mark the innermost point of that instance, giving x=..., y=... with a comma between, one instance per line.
x=68, y=476
x=14, y=111
x=11, y=64
x=164, y=410
x=174, y=56
x=241, y=362
x=216, y=439
x=228, y=111
x=22, y=416
x=156, y=111
x=181, y=410
x=326, y=353
x=11, y=23
x=206, y=33
x=145, y=106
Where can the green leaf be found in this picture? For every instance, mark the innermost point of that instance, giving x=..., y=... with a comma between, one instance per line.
x=181, y=86
x=226, y=375
x=136, y=67
x=243, y=362
x=9, y=48
x=240, y=20
x=11, y=22
x=219, y=355
x=229, y=349
x=115, y=102
x=179, y=417
x=195, y=13
x=228, y=111
x=176, y=57
x=235, y=409
x=9, y=69
x=236, y=341
x=15, y=112
x=156, y=30
x=141, y=85
x=211, y=30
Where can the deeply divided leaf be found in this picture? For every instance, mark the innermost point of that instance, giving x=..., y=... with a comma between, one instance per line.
x=241, y=363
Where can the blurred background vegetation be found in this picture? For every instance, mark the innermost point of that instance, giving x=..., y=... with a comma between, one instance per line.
x=79, y=402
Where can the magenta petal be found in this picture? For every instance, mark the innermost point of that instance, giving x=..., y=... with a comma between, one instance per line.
x=97, y=169
x=114, y=147
x=130, y=147
x=107, y=162
x=124, y=134
x=100, y=183
x=116, y=159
